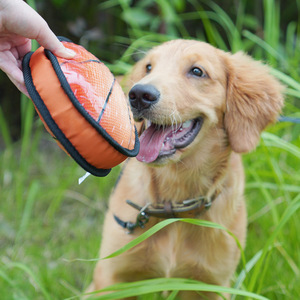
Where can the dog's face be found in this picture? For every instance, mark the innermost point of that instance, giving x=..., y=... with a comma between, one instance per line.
x=191, y=94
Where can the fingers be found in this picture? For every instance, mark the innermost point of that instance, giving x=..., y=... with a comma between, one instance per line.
x=19, y=83
x=64, y=52
x=17, y=79
x=11, y=66
x=19, y=23
x=25, y=22
x=23, y=49
x=48, y=40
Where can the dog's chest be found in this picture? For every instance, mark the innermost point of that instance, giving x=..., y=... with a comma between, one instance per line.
x=178, y=250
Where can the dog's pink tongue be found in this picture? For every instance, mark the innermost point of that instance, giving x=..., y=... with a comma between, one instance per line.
x=151, y=142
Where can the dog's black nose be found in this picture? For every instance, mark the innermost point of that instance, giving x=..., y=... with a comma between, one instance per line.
x=142, y=96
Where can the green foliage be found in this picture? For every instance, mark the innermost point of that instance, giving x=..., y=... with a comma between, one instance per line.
x=50, y=227
x=173, y=284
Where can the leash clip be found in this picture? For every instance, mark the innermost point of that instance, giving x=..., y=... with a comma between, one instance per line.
x=141, y=219
x=207, y=203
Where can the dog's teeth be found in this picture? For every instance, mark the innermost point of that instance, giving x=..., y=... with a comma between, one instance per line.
x=187, y=124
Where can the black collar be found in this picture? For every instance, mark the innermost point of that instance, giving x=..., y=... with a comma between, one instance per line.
x=188, y=208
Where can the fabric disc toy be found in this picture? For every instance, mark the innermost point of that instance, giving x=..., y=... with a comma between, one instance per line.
x=82, y=106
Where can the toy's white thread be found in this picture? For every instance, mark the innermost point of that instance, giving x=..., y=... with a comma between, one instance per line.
x=83, y=178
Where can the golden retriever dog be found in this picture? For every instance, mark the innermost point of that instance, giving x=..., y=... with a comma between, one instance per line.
x=200, y=108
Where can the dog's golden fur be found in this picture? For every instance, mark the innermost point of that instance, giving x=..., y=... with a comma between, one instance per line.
x=237, y=98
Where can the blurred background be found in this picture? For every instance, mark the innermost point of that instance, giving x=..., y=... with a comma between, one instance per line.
x=48, y=223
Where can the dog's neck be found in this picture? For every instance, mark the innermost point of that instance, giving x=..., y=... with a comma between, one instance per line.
x=204, y=180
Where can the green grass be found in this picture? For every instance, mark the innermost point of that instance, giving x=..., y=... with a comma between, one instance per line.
x=50, y=227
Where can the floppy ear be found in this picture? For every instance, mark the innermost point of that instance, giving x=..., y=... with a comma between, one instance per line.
x=254, y=99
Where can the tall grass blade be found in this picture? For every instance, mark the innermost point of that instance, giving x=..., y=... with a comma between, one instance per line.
x=4, y=129
x=215, y=36
x=233, y=34
x=273, y=186
x=272, y=26
x=167, y=284
x=288, y=213
x=286, y=79
x=163, y=224
x=292, y=92
x=31, y=3
x=272, y=140
x=27, y=114
x=16, y=290
x=264, y=45
x=267, y=197
x=32, y=276
x=32, y=193
x=294, y=267
x=243, y=274
x=172, y=295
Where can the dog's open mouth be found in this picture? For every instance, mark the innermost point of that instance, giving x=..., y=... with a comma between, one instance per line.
x=161, y=140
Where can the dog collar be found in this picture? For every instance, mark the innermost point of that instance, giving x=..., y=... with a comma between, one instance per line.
x=190, y=207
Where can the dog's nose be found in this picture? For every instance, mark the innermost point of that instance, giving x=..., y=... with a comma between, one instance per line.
x=142, y=96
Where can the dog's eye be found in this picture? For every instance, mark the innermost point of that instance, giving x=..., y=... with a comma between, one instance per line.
x=196, y=71
x=148, y=68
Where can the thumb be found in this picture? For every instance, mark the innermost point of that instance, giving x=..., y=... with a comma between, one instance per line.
x=61, y=51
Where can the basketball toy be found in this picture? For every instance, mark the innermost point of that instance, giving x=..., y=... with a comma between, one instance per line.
x=82, y=106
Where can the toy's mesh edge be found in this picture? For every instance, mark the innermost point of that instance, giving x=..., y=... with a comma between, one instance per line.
x=41, y=107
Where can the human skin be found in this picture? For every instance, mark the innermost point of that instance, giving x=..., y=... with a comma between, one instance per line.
x=19, y=24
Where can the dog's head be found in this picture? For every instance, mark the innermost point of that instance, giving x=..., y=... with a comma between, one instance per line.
x=191, y=94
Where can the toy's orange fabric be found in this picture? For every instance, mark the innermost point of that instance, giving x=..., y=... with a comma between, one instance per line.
x=100, y=98
x=115, y=118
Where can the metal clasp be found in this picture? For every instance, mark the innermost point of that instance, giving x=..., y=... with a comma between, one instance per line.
x=141, y=220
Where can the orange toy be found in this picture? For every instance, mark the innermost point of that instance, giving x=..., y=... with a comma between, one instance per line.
x=82, y=106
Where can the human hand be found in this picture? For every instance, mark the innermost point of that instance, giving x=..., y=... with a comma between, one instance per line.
x=19, y=24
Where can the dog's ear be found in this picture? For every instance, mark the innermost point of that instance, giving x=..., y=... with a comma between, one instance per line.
x=254, y=99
